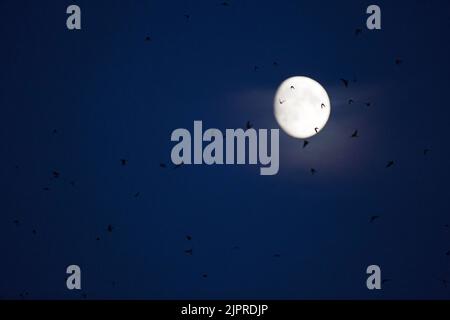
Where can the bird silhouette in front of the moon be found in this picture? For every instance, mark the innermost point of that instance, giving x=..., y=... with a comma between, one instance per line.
x=302, y=112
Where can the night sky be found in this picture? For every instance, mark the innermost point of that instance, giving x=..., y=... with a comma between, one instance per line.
x=77, y=102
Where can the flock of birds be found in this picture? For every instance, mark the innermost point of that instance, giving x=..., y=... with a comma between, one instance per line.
x=355, y=133
x=190, y=251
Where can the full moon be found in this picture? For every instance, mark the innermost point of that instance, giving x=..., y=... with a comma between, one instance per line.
x=302, y=107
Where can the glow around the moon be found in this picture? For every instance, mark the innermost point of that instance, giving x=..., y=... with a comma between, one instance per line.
x=302, y=107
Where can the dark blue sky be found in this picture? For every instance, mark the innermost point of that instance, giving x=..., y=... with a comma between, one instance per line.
x=111, y=95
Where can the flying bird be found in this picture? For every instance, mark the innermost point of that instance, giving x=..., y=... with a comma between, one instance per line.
x=34, y=231
x=187, y=16
x=148, y=39
x=316, y=129
x=447, y=253
x=368, y=104
x=292, y=88
x=313, y=171
x=350, y=101
x=205, y=275
x=373, y=218
x=305, y=143
x=124, y=162
x=16, y=222
x=355, y=134
x=162, y=165
x=56, y=174
x=358, y=31
x=345, y=82
x=281, y=101
x=188, y=237
x=255, y=68
x=110, y=228
x=137, y=194
x=322, y=106
x=275, y=64
x=390, y=164
x=398, y=61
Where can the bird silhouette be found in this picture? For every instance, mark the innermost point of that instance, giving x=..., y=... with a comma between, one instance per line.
x=398, y=61
x=368, y=104
x=275, y=64
x=313, y=171
x=55, y=131
x=345, y=82
x=188, y=237
x=98, y=238
x=34, y=231
x=255, y=68
x=281, y=101
x=322, y=106
x=390, y=164
x=447, y=253
x=316, y=129
x=355, y=134
x=373, y=218
x=187, y=16
x=305, y=143
x=205, y=275
x=16, y=222
x=148, y=39
x=137, y=194
x=124, y=162
x=110, y=228
x=350, y=101
x=358, y=31
x=162, y=165
x=292, y=88
x=248, y=125
x=55, y=174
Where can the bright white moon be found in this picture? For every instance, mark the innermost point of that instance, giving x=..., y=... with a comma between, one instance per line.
x=301, y=107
